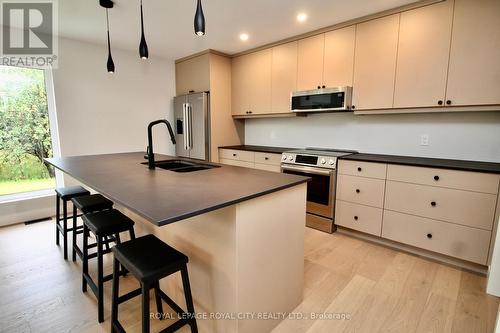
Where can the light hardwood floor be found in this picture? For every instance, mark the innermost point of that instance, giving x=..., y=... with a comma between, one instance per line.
x=379, y=289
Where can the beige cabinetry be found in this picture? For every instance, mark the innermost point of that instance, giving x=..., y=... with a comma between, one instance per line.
x=423, y=53
x=339, y=57
x=251, y=83
x=474, y=70
x=250, y=159
x=283, y=76
x=211, y=71
x=446, y=211
x=310, y=62
x=375, y=63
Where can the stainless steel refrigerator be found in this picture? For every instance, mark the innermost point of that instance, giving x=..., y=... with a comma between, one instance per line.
x=192, y=126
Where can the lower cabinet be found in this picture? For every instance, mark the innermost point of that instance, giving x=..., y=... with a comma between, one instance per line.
x=445, y=211
x=250, y=159
x=454, y=240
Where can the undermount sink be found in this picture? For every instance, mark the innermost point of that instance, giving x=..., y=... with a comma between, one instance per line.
x=182, y=166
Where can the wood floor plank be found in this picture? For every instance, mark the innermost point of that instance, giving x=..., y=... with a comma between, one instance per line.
x=437, y=316
x=447, y=282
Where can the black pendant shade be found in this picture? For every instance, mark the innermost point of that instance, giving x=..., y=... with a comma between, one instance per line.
x=199, y=20
x=143, y=46
x=110, y=64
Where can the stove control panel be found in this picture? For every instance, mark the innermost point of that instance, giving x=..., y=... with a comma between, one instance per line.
x=329, y=162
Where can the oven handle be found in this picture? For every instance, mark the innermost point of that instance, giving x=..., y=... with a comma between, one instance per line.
x=313, y=171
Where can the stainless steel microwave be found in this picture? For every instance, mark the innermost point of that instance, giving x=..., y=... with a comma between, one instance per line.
x=322, y=100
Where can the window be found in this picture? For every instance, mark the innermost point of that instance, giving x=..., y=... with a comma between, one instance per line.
x=25, y=132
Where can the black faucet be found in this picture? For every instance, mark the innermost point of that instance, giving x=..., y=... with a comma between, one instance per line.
x=150, y=153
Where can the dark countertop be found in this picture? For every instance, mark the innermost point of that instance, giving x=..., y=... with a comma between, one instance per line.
x=260, y=149
x=163, y=196
x=488, y=167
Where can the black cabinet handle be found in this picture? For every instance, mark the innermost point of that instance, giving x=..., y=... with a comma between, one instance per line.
x=357, y=190
x=448, y=102
x=355, y=218
x=250, y=112
x=436, y=178
x=440, y=102
x=433, y=203
x=324, y=87
x=359, y=169
x=266, y=158
x=353, y=107
x=234, y=155
x=429, y=236
x=319, y=87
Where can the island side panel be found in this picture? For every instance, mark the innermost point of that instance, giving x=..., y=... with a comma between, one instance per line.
x=209, y=240
x=270, y=255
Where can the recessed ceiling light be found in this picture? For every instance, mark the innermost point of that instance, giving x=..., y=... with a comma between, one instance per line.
x=244, y=37
x=302, y=17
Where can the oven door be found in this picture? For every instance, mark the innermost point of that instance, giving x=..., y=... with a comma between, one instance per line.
x=320, y=190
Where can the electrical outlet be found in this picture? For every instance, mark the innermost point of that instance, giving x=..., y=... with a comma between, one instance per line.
x=424, y=139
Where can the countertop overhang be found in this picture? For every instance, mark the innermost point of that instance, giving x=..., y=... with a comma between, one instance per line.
x=163, y=196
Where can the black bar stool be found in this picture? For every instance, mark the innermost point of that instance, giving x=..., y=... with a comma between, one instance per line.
x=149, y=260
x=65, y=194
x=102, y=224
x=87, y=204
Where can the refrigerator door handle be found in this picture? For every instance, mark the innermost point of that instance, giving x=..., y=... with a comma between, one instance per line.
x=185, y=125
x=190, y=125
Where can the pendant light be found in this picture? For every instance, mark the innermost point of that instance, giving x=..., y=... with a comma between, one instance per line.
x=199, y=20
x=143, y=46
x=110, y=64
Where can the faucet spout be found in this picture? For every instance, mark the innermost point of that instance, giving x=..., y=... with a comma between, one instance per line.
x=150, y=152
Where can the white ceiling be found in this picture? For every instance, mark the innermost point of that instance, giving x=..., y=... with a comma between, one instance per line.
x=169, y=23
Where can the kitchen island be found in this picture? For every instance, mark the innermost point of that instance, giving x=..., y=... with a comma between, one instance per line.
x=242, y=229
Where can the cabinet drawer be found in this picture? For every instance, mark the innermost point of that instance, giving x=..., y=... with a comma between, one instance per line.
x=468, y=208
x=240, y=155
x=358, y=217
x=267, y=167
x=363, y=169
x=365, y=191
x=236, y=163
x=462, y=180
x=451, y=239
x=266, y=158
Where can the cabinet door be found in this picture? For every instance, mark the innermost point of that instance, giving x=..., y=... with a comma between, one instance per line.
x=474, y=72
x=423, y=53
x=240, y=85
x=375, y=63
x=259, y=82
x=284, y=76
x=310, y=62
x=339, y=57
x=192, y=75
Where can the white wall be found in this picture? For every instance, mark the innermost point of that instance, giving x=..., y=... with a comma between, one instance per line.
x=470, y=136
x=101, y=113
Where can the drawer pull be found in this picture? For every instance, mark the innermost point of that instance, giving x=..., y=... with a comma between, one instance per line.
x=433, y=203
x=359, y=169
x=357, y=190
x=355, y=218
x=429, y=236
x=266, y=158
x=436, y=178
x=234, y=155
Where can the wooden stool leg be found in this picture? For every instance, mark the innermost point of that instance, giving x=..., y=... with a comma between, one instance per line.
x=159, y=306
x=58, y=218
x=115, y=293
x=85, y=259
x=74, y=233
x=100, y=282
x=189, y=299
x=145, y=307
x=65, y=228
x=131, y=233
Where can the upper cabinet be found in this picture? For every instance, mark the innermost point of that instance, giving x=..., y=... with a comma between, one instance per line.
x=423, y=52
x=192, y=75
x=251, y=83
x=474, y=70
x=375, y=63
x=310, y=62
x=283, y=76
x=339, y=57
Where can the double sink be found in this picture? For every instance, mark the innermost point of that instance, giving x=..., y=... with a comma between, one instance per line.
x=182, y=166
